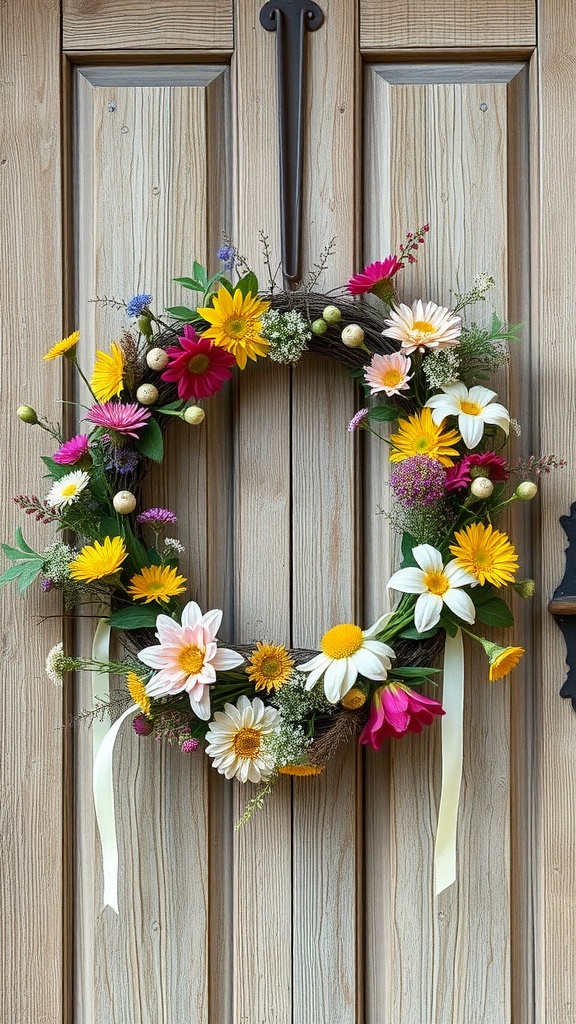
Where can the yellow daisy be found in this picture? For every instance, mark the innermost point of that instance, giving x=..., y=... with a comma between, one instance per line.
x=269, y=667
x=108, y=373
x=301, y=769
x=503, y=662
x=419, y=435
x=96, y=561
x=61, y=348
x=485, y=553
x=156, y=583
x=137, y=690
x=236, y=325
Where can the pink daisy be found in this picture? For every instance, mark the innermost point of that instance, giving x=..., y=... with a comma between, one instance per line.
x=123, y=417
x=188, y=657
x=460, y=475
x=73, y=450
x=197, y=366
x=375, y=275
x=396, y=710
x=388, y=373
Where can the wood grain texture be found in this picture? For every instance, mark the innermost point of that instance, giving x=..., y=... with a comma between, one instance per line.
x=446, y=23
x=555, y=735
x=446, y=959
x=33, y=844
x=142, y=24
x=149, y=163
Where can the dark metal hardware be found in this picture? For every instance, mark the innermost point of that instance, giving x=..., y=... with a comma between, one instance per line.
x=290, y=19
x=563, y=605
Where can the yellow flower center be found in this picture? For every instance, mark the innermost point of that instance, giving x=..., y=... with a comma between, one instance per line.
x=482, y=559
x=342, y=641
x=423, y=327
x=236, y=327
x=199, y=363
x=436, y=583
x=191, y=659
x=247, y=743
x=422, y=444
x=154, y=587
x=391, y=378
x=471, y=408
x=270, y=668
x=69, y=490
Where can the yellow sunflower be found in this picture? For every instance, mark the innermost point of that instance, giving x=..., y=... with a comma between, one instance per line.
x=156, y=583
x=137, y=690
x=419, y=435
x=301, y=769
x=96, y=561
x=236, y=325
x=486, y=553
x=269, y=667
x=503, y=662
x=108, y=373
x=61, y=348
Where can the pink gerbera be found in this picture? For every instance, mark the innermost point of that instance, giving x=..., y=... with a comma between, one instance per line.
x=197, y=366
x=396, y=710
x=491, y=465
x=389, y=373
x=377, y=278
x=188, y=657
x=72, y=451
x=123, y=417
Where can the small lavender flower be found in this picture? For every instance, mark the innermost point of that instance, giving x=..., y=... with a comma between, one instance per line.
x=46, y=584
x=357, y=419
x=123, y=459
x=418, y=481
x=227, y=254
x=137, y=304
x=157, y=517
x=189, y=746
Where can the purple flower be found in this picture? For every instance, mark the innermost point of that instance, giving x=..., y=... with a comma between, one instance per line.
x=137, y=304
x=73, y=450
x=419, y=480
x=357, y=419
x=227, y=254
x=123, y=459
x=157, y=517
x=141, y=725
x=46, y=584
x=189, y=746
x=123, y=417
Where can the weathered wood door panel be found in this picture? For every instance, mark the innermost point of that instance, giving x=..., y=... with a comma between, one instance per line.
x=321, y=911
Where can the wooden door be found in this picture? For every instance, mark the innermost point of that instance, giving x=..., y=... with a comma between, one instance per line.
x=131, y=139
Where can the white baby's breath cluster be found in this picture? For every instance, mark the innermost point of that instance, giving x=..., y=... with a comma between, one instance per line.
x=288, y=335
x=441, y=367
x=57, y=559
x=173, y=546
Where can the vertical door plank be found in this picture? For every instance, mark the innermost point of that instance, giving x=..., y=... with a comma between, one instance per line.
x=144, y=160
x=34, y=851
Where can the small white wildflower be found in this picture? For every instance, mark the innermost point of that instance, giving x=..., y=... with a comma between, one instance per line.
x=441, y=367
x=288, y=335
x=515, y=427
x=55, y=664
x=174, y=545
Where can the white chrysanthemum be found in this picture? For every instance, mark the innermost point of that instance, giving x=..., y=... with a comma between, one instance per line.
x=437, y=585
x=348, y=652
x=236, y=740
x=54, y=660
x=423, y=327
x=68, y=489
x=474, y=408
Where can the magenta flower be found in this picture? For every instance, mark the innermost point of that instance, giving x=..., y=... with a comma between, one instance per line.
x=189, y=746
x=460, y=475
x=197, y=366
x=396, y=710
x=419, y=480
x=123, y=417
x=157, y=517
x=73, y=450
x=376, y=277
x=141, y=725
x=357, y=420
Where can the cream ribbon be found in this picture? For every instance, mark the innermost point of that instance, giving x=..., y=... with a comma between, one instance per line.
x=103, y=740
x=452, y=754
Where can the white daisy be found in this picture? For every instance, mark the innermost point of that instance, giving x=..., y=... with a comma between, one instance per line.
x=68, y=489
x=237, y=740
x=474, y=408
x=348, y=652
x=437, y=585
x=188, y=657
x=423, y=327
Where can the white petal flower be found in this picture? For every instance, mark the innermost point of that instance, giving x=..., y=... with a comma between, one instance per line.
x=348, y=652
x=68, y=489
x=474, y=408
x=237, y=740
x=423, y=327
x=188, y=657
x=436, y=585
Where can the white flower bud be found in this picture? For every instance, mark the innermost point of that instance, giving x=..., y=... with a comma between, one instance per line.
x=353, y=336
x=124, y=502
x=194, y=415
x=157, y=359
x=147, y=394
x=481, y=487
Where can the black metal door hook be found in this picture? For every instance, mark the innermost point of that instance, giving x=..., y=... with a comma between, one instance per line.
x=290, y=19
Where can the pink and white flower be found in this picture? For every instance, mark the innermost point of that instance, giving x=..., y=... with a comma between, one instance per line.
x=423, y=327
x=188, y=657
x=389, y=373
x=474, y=408
x=437, y=585
x=123, y=417
x=396, y=709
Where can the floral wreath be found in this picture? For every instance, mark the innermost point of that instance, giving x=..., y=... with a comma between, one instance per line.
x=261, y=711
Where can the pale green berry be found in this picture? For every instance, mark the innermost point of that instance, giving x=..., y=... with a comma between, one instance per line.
x=27, y=414
x=319, y=327
x=526, y=491
x=331, y=314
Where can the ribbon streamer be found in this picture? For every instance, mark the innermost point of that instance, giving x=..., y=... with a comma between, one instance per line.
x=452, y=756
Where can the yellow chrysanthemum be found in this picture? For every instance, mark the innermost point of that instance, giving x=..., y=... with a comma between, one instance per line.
x=419, y=435
x=96, y=561
x=108, y=373
x=301, y=769
x=504, y=662
x=61, y=348
x=236, y=325
x=269, y=667
x=137, y=690
x=156, y=583
x=486, y=553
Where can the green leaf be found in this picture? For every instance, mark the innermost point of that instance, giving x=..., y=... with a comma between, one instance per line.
x=248, y=284
x=134, y=617
x=12, y=573
x=30, y=571
x=494, y=612
x=183, y=313
x=412, y=633
x=215, y=277
x=414, y=672
x=150, y=443
x=383, y=413
x=200, y=273
x=172, y=406
x=189, y=282
x=407, y=546
x=450, y=626
x=55, y=470
x=227, y=285
x=15, y=555
x=22, y=543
